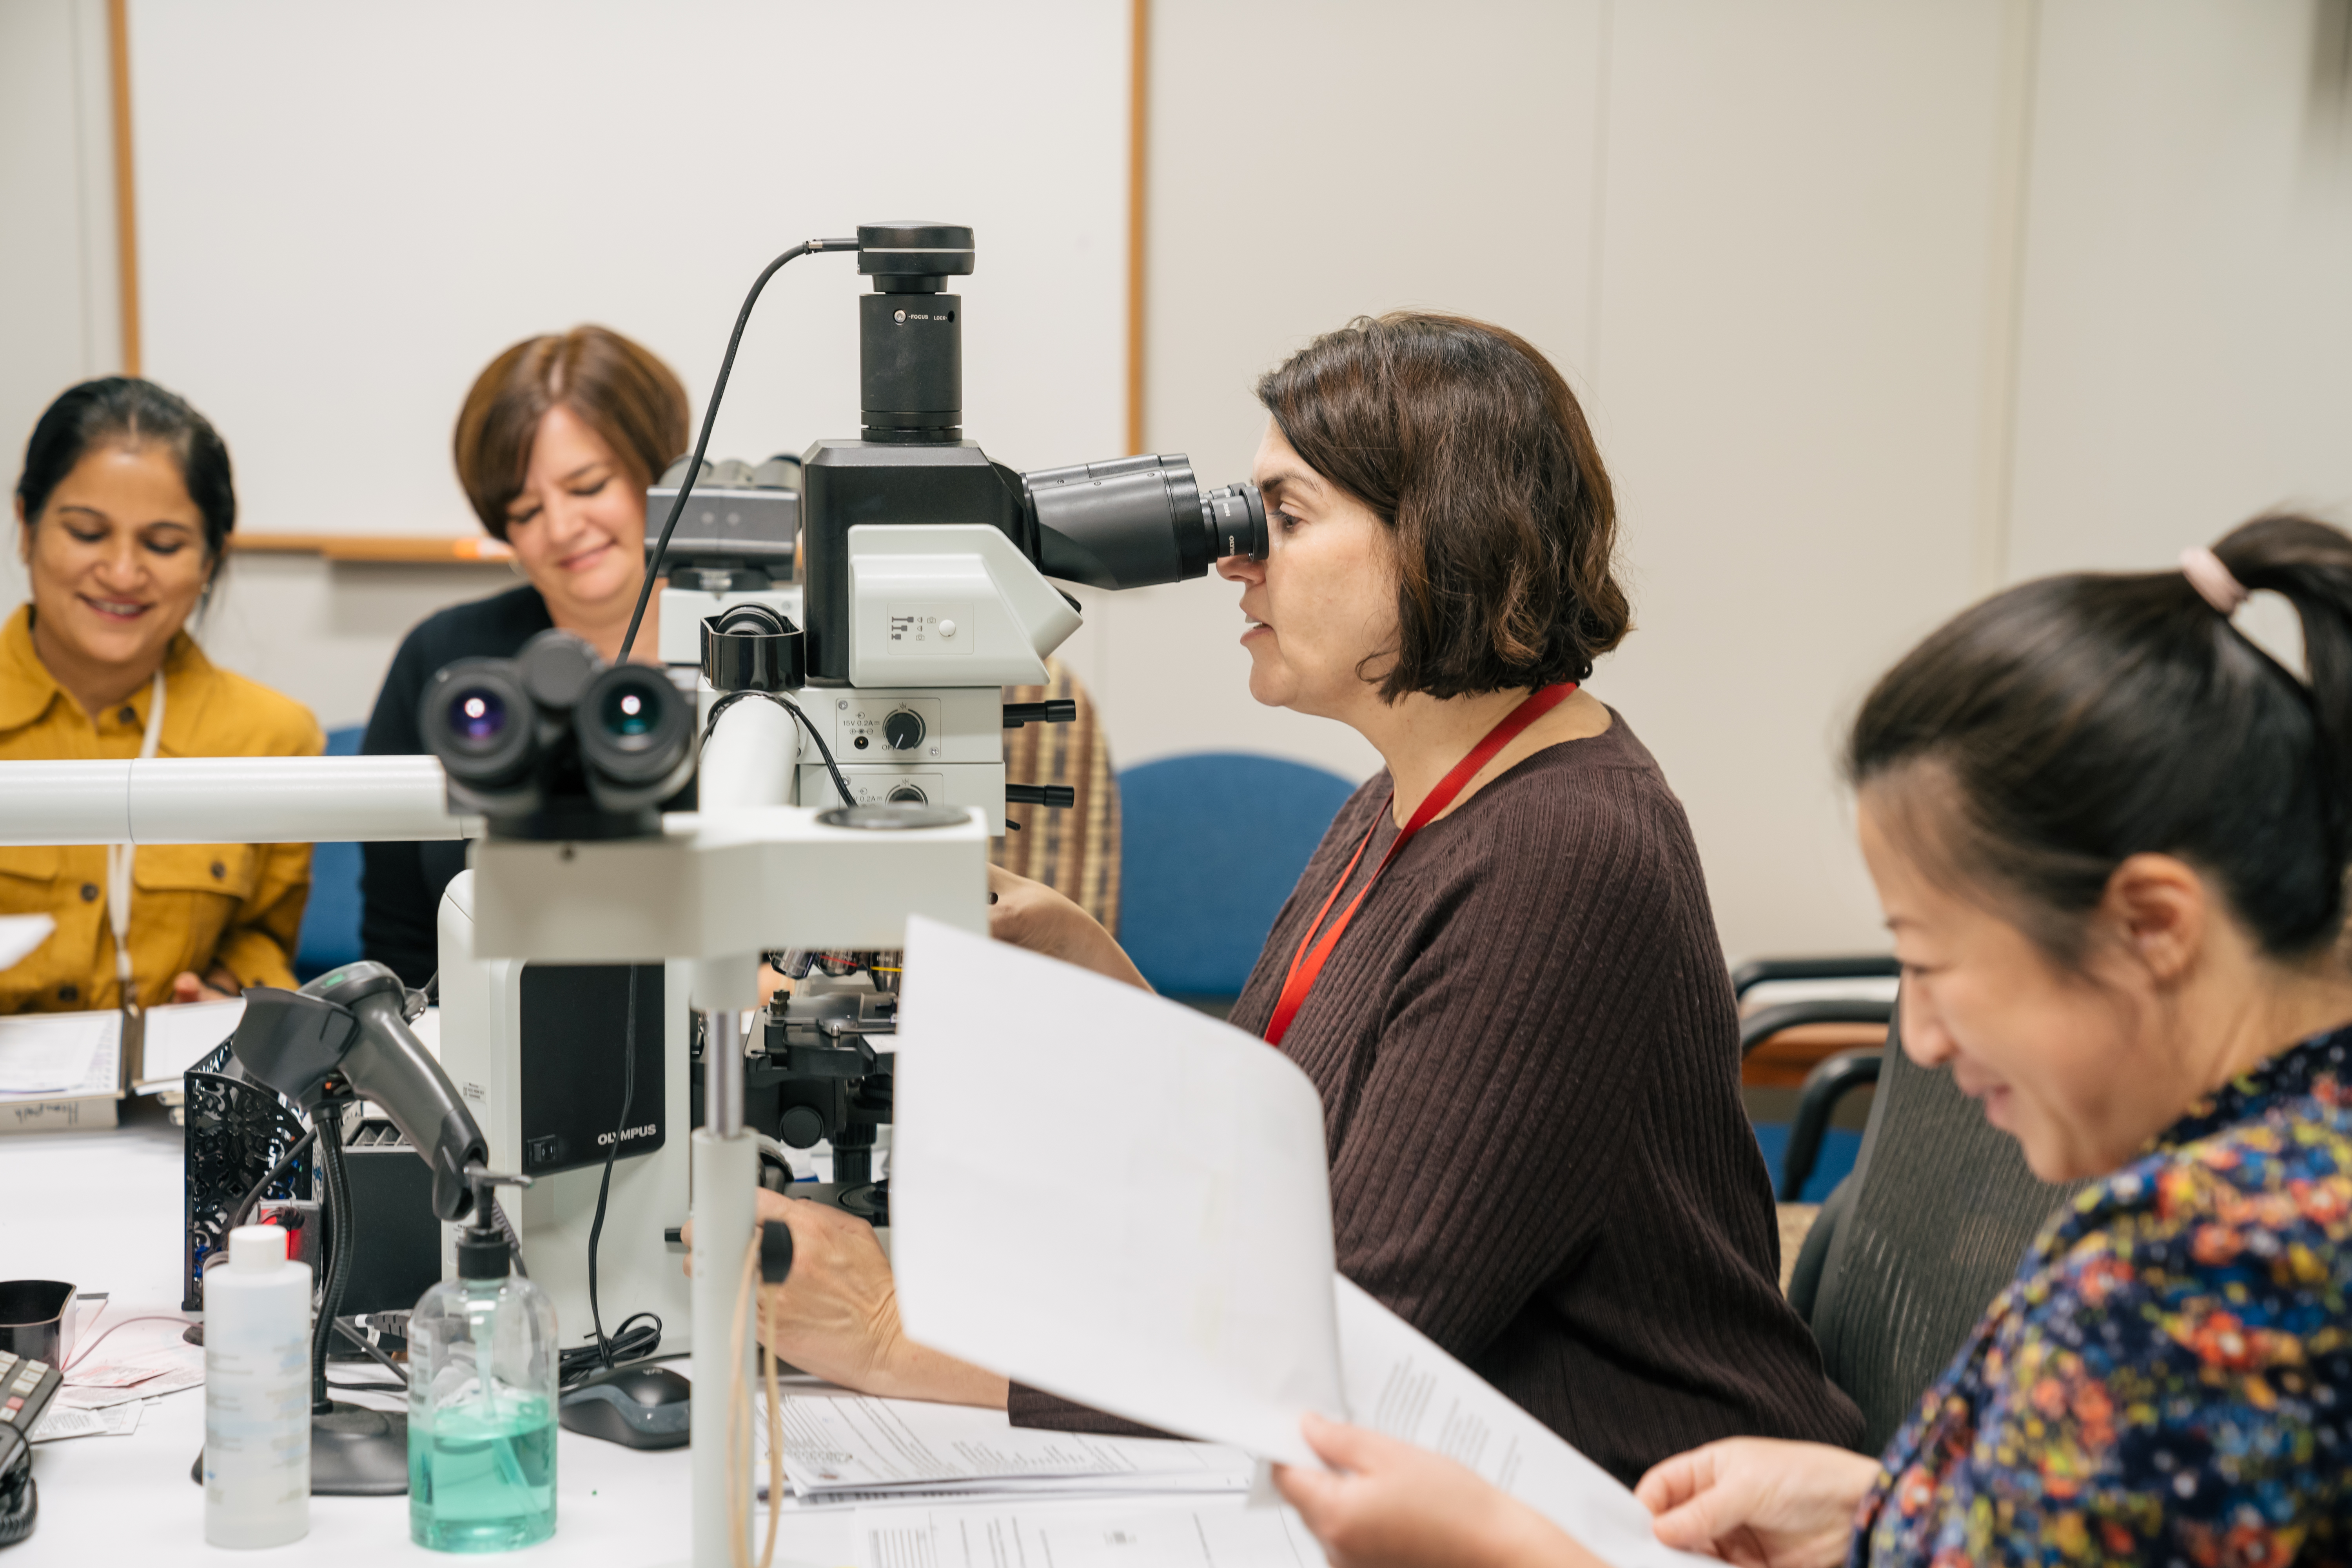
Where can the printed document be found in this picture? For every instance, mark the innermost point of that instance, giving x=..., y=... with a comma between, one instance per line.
x=1173, y=1262
x=865, y=1445
x=1065, y=1537
x=56, y=1055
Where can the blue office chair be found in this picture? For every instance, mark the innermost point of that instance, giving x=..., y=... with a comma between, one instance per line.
x=1210, y=847
x=330, y=921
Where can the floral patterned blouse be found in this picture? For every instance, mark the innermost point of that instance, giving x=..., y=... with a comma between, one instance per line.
x=2168, y=1378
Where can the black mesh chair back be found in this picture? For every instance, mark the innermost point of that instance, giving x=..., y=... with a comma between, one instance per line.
x=1936, y=1217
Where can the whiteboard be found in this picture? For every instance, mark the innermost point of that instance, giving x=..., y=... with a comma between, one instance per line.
x=344, y=212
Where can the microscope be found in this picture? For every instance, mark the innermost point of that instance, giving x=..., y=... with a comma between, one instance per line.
x=847, y=622
x=598, y=948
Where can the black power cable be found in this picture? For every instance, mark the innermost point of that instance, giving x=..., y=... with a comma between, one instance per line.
x=839, y=784
x=604, y=1186
x=710, y=418
x=326, y=1123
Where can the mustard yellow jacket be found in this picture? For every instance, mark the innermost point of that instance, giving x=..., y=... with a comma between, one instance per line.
x=192, y=905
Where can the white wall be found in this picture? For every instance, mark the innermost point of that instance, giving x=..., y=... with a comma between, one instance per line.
x=59, y=320
x=1757, y=239
x=2186, y=352
x=344, y=213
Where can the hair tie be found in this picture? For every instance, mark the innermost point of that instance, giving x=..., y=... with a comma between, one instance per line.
x=2212, y=580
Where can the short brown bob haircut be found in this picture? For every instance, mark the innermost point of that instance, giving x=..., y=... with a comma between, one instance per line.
x=617, y=387
x=1469, y=446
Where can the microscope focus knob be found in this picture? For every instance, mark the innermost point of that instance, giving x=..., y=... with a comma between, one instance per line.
x=903, y=729
x=910, y=794
x=802, y=1127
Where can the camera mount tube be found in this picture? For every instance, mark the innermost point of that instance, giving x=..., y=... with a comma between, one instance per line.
x=1133, y=522
x=910, y=332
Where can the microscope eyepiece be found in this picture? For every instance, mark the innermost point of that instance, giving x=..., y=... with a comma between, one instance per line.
x=553, y=743
x=636, y=736
x=1133, y=522
x=478, y=719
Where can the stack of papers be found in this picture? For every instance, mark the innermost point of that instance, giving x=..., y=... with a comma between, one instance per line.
x=60, y=1055
x=71, y=1055
x=853, y=1449
x=972, y=1537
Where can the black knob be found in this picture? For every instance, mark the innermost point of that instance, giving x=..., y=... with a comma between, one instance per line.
x=903, y=729
x=910, y=794
x=802, y=1127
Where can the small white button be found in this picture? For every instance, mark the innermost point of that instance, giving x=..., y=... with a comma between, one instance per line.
x=947, y=629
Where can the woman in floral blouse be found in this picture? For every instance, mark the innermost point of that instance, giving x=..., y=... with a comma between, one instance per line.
x=2111, y=835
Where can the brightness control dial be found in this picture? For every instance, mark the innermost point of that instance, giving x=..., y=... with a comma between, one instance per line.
x=903, y=729
x=909, y=794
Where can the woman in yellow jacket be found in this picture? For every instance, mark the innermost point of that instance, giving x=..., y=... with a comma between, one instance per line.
x=123, y=509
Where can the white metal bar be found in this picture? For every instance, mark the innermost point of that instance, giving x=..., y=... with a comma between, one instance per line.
x=227, y=799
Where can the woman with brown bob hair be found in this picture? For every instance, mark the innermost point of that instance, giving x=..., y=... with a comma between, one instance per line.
x=1500, y=968
x=555, y=444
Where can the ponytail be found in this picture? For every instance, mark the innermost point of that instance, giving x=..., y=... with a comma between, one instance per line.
x=2044, y=735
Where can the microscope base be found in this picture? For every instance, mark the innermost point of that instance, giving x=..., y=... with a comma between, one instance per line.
x=355, y=1452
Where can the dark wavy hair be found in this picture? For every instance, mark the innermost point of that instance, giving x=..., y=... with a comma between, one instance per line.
x=2042, y=737
x=1469, y=446
x=122, y=410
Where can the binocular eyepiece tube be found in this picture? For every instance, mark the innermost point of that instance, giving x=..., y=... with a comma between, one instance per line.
x=1133, y=522
x=555, y=739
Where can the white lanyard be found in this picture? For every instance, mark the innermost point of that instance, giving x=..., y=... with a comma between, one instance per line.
x=118, y=866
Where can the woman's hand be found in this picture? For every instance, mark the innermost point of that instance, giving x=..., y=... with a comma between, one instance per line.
x=1760, y=1502
x=836, y=1314
x=1392, y=1505
x=1033, y=915
x=218, y=986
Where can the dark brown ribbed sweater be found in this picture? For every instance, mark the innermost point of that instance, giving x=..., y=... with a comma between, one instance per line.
x=1529, y=1064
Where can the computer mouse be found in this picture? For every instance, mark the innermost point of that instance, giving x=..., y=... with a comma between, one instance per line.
x=637, y=1407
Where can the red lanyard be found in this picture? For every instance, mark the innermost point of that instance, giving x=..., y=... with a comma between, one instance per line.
x=1308, y=962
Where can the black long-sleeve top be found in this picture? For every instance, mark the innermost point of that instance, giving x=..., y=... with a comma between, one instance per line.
x=1528, y=1057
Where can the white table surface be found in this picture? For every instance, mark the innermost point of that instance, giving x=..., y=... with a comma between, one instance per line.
x=102, y=1210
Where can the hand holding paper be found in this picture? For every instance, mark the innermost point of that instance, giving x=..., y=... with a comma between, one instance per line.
x=1112, y=1197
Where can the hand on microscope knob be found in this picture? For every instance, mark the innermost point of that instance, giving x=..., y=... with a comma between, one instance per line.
x=1033, y=915
x=837, y=1315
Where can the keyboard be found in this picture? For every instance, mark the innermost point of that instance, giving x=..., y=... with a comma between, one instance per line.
x=26, y=1389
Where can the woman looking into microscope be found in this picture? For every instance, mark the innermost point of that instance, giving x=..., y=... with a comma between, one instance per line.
x=123, y=512
x=1500, y=968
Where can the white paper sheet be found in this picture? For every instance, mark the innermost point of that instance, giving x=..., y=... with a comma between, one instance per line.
x=179, y=1035
x=61, y=1420
x=869, y=1445
x=1186, y=1280
x=1401, y=1383
x=1166, y=1286
x=178, y=1365
x=21, y=935
x=53, y=1056
x=1066, y=1537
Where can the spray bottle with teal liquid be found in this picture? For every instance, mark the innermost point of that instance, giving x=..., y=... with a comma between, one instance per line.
x=482, y=1365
